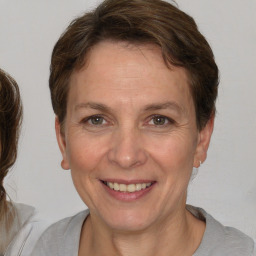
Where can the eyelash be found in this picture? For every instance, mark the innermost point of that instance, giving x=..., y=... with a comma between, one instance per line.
x=166, y=119
x=88, y=120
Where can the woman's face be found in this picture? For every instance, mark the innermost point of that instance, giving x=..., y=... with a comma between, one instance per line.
x=131, y=126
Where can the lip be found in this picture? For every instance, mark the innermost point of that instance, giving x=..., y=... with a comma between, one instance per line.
x=127, y=196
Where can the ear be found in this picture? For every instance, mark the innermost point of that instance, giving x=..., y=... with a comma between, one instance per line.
x=62, y=144
x=203, y=142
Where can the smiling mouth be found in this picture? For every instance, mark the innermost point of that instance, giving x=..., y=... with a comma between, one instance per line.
x=130, y=188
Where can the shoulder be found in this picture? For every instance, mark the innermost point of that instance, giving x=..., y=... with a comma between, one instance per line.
x=30, y=230
x=222, y=240
x=62, y=237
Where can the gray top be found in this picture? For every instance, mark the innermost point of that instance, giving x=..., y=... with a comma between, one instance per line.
x=31, y=229
x=62, y=238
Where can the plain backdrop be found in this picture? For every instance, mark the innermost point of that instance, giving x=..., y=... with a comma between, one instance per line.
x=226, y=183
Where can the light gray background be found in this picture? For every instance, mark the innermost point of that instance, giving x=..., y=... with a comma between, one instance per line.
x=226, y=182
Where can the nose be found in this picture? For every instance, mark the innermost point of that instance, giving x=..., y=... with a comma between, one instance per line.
x=126, y=149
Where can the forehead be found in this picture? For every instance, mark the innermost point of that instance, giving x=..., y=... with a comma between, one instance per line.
x=124, y=72
x=129, y=59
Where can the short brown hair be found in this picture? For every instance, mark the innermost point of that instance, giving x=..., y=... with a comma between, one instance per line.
x=10, y=121
x=138, y=22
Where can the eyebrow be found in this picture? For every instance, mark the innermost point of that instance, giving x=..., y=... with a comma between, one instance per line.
x=149, y=107
x=93, y=105
x=165, y=105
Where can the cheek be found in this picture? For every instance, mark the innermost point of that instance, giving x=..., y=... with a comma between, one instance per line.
x=83, y=154
x=174, y=152
x=84, y=157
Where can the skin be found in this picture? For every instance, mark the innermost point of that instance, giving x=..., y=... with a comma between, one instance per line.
x=144, y=129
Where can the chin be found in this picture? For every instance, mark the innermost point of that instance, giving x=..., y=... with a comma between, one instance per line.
x=128, y=220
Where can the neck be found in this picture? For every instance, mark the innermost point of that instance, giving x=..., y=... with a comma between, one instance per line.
x=162, y=238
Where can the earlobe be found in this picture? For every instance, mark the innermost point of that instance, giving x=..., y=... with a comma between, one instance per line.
x=204, y=139
x=62, y=144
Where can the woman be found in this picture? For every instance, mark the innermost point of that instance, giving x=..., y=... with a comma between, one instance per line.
x=19, y=229
x=133, y=86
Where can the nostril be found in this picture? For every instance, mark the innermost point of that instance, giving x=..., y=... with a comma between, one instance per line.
x=126, y=151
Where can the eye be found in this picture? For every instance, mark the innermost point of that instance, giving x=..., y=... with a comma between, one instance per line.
x=160, y=121
x=95, y=120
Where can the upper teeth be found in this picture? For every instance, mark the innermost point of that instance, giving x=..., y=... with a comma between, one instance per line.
x=127, y=188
